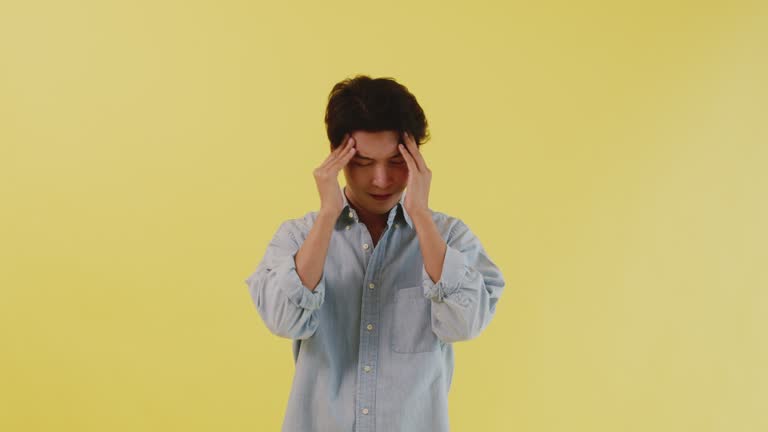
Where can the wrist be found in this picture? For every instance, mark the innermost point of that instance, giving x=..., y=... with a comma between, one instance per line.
x=423, y=213
x=327, y=212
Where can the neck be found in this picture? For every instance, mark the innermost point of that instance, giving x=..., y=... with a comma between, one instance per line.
x=371, y=220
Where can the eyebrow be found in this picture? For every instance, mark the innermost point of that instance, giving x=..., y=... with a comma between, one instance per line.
x=359, y=156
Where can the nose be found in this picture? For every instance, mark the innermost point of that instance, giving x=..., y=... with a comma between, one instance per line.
x=381, y=177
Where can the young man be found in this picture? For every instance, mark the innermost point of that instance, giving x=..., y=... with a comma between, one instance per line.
x=375, y=287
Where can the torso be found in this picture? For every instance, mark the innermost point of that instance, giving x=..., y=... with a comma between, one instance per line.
x=375, y=235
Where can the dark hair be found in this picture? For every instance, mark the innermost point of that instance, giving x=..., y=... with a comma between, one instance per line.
x=364, y=103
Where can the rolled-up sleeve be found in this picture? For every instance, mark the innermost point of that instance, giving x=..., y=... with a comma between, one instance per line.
x=464, y=299
x=287, y=307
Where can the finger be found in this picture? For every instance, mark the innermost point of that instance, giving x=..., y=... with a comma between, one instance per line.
x=345, y=157
x=345, y=142
x=407, y=147
x=414, y=149
x=412, y=167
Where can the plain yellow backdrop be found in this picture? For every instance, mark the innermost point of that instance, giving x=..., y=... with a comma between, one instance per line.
x=611, y=156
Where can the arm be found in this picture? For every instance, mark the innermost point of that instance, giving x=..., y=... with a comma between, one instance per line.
x=460, y=279
x=288, y=286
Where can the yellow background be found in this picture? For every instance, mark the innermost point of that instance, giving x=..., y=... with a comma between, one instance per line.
x=611, y=156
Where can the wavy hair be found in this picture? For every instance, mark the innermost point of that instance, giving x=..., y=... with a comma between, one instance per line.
x=373, y=104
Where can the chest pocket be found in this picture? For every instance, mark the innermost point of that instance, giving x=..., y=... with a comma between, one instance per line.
x=412, y=330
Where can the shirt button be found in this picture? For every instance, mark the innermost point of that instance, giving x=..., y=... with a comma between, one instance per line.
x=351, y=215
x=371, y=286
x=348, y=226
x=396, y=225
x=365, y=410
x=365, y=245
x=369, y=326
x=367, y=368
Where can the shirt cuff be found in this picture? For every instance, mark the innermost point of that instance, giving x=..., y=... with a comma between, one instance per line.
x=295, y=290
x=453, y=274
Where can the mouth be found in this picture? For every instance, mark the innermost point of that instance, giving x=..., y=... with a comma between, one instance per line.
x=381, y=197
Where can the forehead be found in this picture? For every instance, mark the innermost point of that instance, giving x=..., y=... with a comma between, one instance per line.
x=380, y=144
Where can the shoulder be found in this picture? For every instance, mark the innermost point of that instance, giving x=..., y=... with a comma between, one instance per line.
x=449, y=226
x=458, y=235
x=298, y=228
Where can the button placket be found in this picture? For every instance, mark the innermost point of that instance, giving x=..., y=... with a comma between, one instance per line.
x=369, y=335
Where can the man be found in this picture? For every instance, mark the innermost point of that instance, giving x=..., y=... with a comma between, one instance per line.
x=375, y=287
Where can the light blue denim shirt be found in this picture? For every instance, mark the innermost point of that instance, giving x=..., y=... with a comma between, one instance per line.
x=372, y=344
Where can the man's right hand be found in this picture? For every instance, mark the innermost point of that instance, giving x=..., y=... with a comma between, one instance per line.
x=327, y=176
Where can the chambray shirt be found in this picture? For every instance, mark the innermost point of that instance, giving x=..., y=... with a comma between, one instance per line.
x=372, y=344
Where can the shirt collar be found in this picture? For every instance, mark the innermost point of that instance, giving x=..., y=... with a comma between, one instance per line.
x=349, y=214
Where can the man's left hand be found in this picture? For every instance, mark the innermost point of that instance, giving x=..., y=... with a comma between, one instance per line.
x=419, y=177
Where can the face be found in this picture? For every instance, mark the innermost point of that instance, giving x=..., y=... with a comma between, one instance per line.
x=376, y=169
